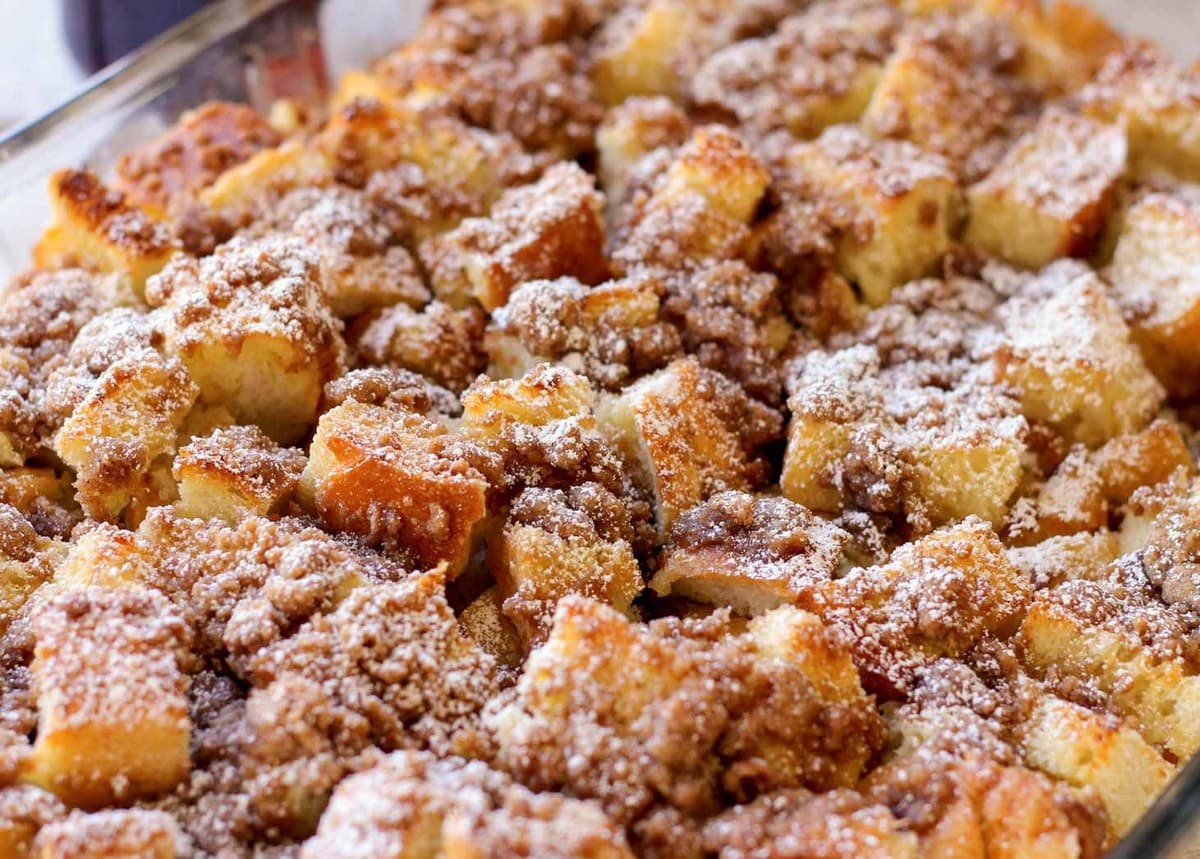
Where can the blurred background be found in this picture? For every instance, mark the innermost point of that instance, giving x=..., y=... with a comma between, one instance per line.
x=38, y=67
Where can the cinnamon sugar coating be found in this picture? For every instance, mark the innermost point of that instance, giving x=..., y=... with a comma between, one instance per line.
x=696, y=430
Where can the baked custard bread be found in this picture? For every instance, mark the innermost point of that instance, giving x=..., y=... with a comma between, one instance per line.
x=684, y=430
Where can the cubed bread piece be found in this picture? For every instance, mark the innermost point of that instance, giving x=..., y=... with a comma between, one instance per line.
x=1071, y=361
x=1129, y=651
x=609, y=332
x=1156, y=283
x=630, y=131
x=98, y=228
x=192, y=154
x=1147, y=458
x=751, y=554
x=413, y=805
x=718, y=165
x=251, y=325
x=901, y=204
x=1087, y=749
x=679, y=428
x=235, y=472
x=484, y=621
x=945, y=88
x=439, y=342
x=24, y=810
x=639, y=50
x=1051, y=194
x=552, y=546
x=27, y=561
x=362, y=267
x=1055, y=560
x=392, y=477
x=44, y=496
x=113, y=721
x=545, y=394
x=936, y=597
x=271, y=172
x=1070, y=501
x=817, y=69
x=552, y=228
x=128, y=833
x=1157, y=101
x=106, y=556
x=123, y=405
x=1063, y=43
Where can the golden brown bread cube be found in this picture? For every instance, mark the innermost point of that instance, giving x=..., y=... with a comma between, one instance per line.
x=113, y=720
x=128, y=833
x=413, y=805
x=1071, y=361
x=235, y=472
x=1063, y=43
x=1146, y=458
x=1055, y=560
x=242, y=188
x=630, y=131
x=1051, y=194
x=817, y=69
x=935, y=597
x=393, y=477
x=105, y=556
x=27, y=561
x=675, y=428
x=95, y=227
x=1156, y=100
x=550, y=547
x=639, y=51
x=946, y=89
x=251, y=325
x=718, y=165
x=438, y=342
x=121, y=422
x=552, y=228
x=24, y=810
x=900, y=202
x=1128, y=651
x=484, y=622
x=1070, y=501
x=192, y=154
x=749, y=553
x=1089, y=749
x=1154, y=281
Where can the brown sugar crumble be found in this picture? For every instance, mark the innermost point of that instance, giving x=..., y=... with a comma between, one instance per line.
x=620, y=428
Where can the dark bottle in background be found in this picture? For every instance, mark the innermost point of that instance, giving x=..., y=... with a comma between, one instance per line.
x=101, y=31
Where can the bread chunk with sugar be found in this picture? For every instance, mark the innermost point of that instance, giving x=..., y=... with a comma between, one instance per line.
x=122, y=405
x=556, y=543
x=552, y=228
x=947, y=88
x=251, y=326
x=1128, y=648
x=130, y=833
x=393, y=477
x=900, y=205
x=1157, y=288
x=192, y=154
x=1156, y=100
x=1051, y=194
x=437, y=341
x=234, y=472
x=1071, y=361
x=27, y=561
x=421, y=805
x=630, y=131
x=113, y=720
x=98, y=228
x=24, y=810
x=690, y=433
x=749, y=553
x=817, y=69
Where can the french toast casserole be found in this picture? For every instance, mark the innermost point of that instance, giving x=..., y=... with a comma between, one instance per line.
x=713, y=429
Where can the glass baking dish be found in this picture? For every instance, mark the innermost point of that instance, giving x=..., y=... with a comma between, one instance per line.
x=257, y=51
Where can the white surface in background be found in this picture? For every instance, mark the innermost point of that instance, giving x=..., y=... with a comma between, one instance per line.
x=36, y=69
